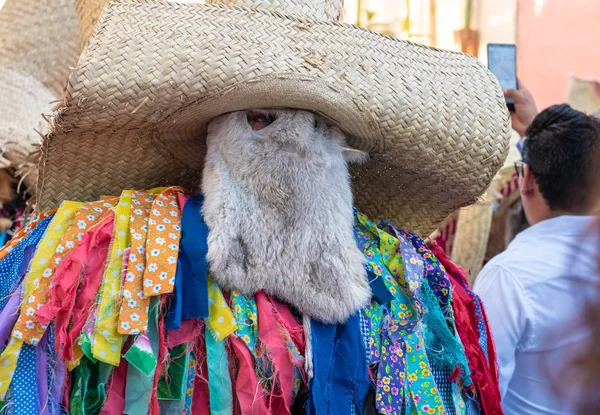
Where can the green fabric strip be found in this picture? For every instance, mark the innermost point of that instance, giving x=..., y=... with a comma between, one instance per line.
x=141, y=355
x=88, y=391
x=139, y=385
x=171, y=386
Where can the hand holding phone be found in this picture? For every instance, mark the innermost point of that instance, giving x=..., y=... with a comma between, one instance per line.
x=525, y=109
x=502, y=62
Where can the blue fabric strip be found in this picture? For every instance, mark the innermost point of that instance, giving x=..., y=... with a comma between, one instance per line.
x=341, y=382
x=24, y=383
x=380, y=292
x=11, y=266
x=192, y=267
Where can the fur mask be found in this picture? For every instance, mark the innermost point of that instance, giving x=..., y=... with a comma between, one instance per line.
x=278, y=203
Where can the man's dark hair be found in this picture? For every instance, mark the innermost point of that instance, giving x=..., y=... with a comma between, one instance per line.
x=560, y=151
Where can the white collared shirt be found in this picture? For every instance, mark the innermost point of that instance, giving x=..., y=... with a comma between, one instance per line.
x=534, y=294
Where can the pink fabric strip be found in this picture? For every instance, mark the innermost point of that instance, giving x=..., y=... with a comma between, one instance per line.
x=90, y=284
x=115, y=397
x=250, y=394
x=163, y=352
x=62, y=296
x=269, y=333
x=190, y=329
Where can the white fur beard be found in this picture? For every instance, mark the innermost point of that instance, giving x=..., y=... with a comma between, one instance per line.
x=278, y=204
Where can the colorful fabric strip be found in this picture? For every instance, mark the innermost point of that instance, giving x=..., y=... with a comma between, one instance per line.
x=46, y=248
x=107, y=343
x=192, y=268
x=72, y=233
x=341, y=381
x=162, y=245
x=172, y=384
x=16, y=263
x=24, y=233
x=68, y=303
x=219, y=382
x=189, y=385
x=133, y=316
x=221, y=322
x=25, y=387
x=40, y=275
x=139, y=384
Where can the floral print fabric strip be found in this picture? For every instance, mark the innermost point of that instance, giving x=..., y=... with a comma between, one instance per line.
x=162, y=246
x=40, y=274
x=133, y=316
x=85, y=217
x=404, y=377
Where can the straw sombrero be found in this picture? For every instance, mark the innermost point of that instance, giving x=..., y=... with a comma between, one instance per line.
x=475, y=222
x=583, y=94
x=34, y=68
x=154, y=74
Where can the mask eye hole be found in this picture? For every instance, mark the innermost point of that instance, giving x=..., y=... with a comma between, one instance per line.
x=259, y=120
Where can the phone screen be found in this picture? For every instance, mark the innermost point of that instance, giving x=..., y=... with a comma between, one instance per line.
x=502, y=62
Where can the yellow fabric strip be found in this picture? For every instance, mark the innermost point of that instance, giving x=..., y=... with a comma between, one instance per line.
x=220, y=318
x=106, y=341
x=8, y=362
x=86, y=215
x=40, y=270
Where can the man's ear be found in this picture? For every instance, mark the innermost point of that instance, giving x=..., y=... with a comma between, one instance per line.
x=527, y=183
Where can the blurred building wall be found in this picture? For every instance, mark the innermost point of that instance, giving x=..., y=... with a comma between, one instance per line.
x=555, y=38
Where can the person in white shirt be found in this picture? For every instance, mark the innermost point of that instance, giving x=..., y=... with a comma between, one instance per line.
x=535, y=291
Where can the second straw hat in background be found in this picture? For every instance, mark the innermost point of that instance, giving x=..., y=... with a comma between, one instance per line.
x=38, y=47
x=154, y=74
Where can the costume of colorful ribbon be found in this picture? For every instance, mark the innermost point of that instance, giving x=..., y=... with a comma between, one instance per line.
x=109, y=308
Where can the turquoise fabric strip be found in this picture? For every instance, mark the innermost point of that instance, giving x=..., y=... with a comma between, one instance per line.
x=219, y=382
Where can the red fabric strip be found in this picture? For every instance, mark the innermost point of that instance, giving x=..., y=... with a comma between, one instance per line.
x=90, y=284
x=465, y=314
x=62, y=295
x=163, y=352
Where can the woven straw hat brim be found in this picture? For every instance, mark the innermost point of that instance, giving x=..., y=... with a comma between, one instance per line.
x=153, y=75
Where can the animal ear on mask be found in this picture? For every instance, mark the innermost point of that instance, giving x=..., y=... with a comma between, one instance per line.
x=352, y=155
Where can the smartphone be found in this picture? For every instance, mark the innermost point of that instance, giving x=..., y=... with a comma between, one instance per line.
x=502, y=62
